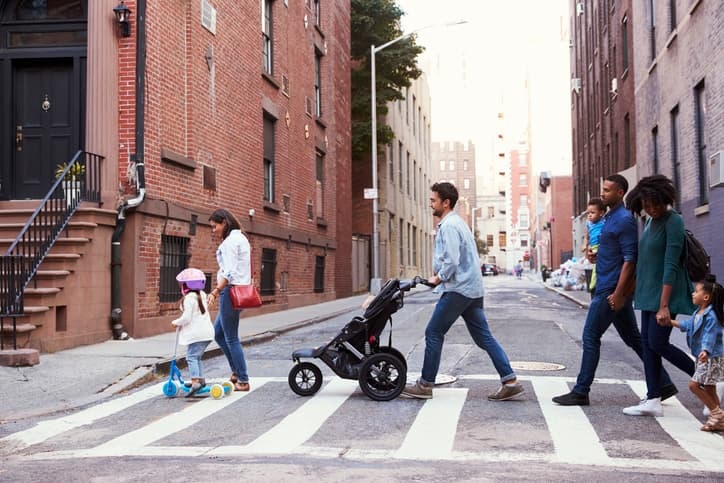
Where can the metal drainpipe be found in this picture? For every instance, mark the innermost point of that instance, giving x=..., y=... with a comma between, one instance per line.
x=119, y=333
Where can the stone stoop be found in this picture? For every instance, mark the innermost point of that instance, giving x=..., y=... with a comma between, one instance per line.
x=47, y=296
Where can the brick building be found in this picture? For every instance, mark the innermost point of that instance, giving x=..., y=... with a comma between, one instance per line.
x=454, y=162
x=679, y=70
x=602, y=93
x=190, y=112
x=554, y=243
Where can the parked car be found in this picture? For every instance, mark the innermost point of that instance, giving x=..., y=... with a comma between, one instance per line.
x=489, y=269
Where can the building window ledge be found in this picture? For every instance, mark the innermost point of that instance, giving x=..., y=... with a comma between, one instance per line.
x=672, y=37
x=652, y=67
x=269, y=206
x=168, y=156
x=701, y=210
x=271, y=80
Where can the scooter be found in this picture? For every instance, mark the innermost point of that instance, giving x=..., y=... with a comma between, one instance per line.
x=176, y=383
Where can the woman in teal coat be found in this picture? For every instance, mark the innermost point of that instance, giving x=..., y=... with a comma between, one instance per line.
x=663, y=289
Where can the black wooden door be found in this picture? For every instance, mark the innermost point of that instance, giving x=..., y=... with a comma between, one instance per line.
x=45, y=123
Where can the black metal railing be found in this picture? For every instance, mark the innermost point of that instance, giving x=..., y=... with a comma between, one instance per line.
x=76, y=181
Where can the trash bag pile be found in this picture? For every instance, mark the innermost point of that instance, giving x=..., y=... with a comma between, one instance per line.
x=571, y=275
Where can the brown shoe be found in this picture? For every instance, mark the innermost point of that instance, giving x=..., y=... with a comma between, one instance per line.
x=241, y=386
x=234, y=378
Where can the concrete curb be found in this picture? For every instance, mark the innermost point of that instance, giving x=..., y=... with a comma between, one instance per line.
x=563, y=293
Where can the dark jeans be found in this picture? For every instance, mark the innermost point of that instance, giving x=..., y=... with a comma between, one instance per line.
x=226, y=334
x=656, y=345
x=451, y=306
x=598, y=320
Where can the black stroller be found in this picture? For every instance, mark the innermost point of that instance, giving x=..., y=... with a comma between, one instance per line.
x=356, y=353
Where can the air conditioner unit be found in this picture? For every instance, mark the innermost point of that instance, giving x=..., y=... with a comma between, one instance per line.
x=614, y=85
x=576, y=84
x=579, y=8
x=716, y=169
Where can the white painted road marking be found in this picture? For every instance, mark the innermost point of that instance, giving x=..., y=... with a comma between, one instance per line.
x=431, y=437
x=433, y=433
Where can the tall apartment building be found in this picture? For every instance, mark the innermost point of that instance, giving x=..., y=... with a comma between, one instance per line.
x=405, y=226
x=454, y=162
x=602, y=93
x=679, y=70
x=186, y=111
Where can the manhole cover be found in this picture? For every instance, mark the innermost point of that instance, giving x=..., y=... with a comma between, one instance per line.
x=536, y=366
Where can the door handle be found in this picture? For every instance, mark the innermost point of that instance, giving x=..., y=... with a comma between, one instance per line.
x=19, y=138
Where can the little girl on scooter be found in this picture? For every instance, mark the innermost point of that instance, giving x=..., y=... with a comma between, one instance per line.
x=195, y=328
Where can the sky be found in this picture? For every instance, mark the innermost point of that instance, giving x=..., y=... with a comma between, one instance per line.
x=511, y=56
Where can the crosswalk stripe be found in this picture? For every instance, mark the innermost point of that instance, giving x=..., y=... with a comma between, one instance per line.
x=299, y=426
x=172, y=423
x=574, y=438
x=678, y=422
x=432, y=434
x=45, y=430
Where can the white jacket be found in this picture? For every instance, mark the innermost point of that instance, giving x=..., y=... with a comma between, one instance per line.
x=195, y=326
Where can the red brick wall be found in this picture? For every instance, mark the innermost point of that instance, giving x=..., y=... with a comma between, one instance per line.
x=213, y=116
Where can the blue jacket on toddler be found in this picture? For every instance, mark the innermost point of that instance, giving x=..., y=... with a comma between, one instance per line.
x=704, y=335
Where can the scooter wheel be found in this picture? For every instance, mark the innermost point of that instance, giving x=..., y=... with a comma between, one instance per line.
x=305, y=379
x=228, y=387
x=217, y=391
x=170, y=389
x=382, y=376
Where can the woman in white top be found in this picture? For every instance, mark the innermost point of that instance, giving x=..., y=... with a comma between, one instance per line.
x=234, y=258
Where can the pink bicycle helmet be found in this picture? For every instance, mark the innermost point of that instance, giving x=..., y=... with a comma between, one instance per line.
x=193, y=278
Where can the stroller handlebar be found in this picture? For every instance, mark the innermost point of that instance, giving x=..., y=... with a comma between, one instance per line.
x=407, y=285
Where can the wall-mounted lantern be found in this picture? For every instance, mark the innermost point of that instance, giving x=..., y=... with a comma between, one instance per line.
x=123, y=15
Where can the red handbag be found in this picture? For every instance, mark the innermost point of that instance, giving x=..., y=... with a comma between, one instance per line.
x=244, y=297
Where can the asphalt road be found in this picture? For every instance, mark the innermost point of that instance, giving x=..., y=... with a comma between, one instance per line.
x=339, y=434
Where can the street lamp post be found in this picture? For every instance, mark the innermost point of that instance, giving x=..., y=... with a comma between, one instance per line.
x=376, y=283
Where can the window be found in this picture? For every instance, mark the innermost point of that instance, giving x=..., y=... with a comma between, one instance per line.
x=624, y=43
x=317, y=83
x=320, y=185
x=522, y=159
x=414, y=180
x=489, y=241
x=491, y=212
x=523, y=220
x=652, y=30
x=391, y=162
x=452, y=165
x=267, y=37
x=523, y=242
x=399, y=167
x=317, y=13
x=269, y=123
x=466, y=183
x=409, y=173
x=626, y=141
x=414, y=246
x=414, y=119
x=409, y=247
x=174, y=255
x=442, y=165
x=676, y=177
x=401, y=245
x=524, y=200
x=655, y=147
x=523, y=179
x=268, y=271
x=465, y=164
x=700, y=130
x=502, y=241
x=672, y=15
x=319, y=274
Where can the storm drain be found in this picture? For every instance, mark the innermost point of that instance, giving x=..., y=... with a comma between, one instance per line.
x=536, y=366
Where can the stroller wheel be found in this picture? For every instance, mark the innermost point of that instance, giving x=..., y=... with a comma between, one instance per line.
x=305, y=379
x=382, y=376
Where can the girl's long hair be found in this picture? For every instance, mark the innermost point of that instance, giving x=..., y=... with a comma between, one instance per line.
x=710, y=286
x=220, y=215
x=198, y=298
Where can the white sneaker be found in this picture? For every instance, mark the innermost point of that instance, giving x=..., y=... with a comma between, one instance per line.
x=720, y=393
x=647, y=407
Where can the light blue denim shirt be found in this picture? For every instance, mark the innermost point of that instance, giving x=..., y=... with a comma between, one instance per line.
x=703, y=332
x=455, y=258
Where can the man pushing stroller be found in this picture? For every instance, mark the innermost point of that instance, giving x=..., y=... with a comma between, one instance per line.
x=457, y=271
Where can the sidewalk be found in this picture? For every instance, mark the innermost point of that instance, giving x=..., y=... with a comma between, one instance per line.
x=72, y=378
